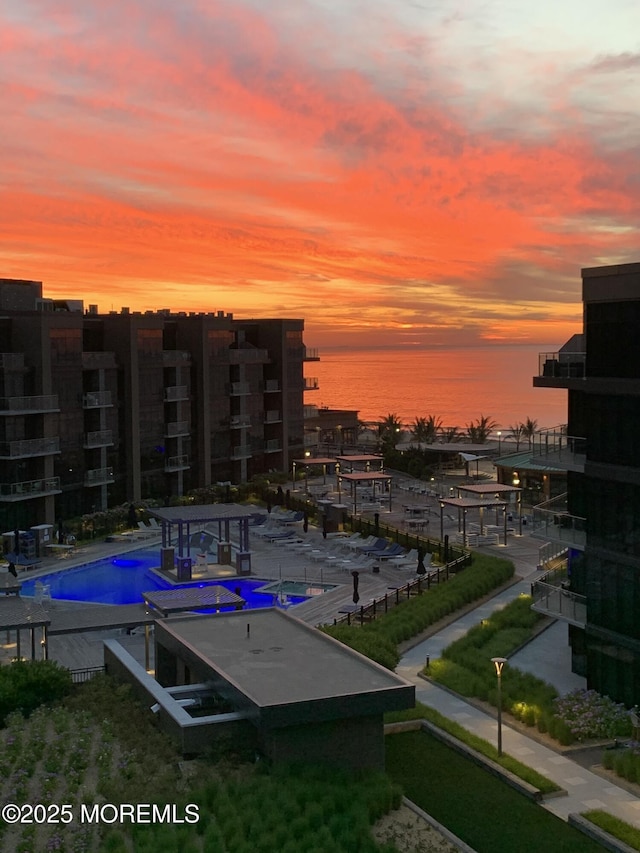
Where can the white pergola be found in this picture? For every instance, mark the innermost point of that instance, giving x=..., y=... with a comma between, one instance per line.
x=356, y=478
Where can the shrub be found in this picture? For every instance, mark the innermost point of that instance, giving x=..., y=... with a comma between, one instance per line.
x=25, y=685
x=587, y=714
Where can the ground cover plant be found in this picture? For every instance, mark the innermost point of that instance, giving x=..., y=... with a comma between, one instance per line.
x=624, y=761
x=479, y=808
x=527, y=774
x=379, y=639
x=620, y=829
x=466, y=668
x=101, y=745
x=26, y=684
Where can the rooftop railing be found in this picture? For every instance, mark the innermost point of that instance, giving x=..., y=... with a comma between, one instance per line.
x=551, y=520
x=558, y=449
x=562, y=365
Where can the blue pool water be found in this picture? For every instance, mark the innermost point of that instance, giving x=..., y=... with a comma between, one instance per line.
x=122, y=580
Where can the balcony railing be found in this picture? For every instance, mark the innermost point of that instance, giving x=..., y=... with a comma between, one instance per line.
x=238, y=389
x=310, y=411
x=11, y=361
x=248, y=356
x=239, y=421
x=175, y=393
x=311, y=354
x=29, y=447
x=271, y=386
x=176, y=358
x=551, y=598
x=272, y=416
x=556, y=448
x=98, y=438
x=552, y=521
x=98, y=476
x=176, y=463
x=176, y=428
x=29, y=489
x=241, y=451
x=98, y=360
x=272, y=445
x=97, y=400
x=311, y=383
x=562, y=365
x=29, y=405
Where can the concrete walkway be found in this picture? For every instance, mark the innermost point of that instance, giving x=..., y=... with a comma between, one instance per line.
x=547, y=657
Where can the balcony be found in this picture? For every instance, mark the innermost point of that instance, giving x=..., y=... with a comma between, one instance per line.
x=98, y=438
x=97, y=400
x=311, y=383
x=176, y=463
x=552, y=598
x=241, y=451
x=239, y=389
x=559, y=450
x=176, y=428
x=562, y=365
x=176, y=358
x=239, y=421
x=272, y=445
x=176, y=393
x=272, y=417
x=311, y=354
x=552, y=521
x=11, y=492
x=271, y=386
x=11, y=361
x=98, y=360
x=29, y=405
x=98, y=477
x=248, y=356
x=29, y=447
x=309, y=412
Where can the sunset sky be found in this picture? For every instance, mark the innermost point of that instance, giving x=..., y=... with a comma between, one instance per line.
x=397, y=172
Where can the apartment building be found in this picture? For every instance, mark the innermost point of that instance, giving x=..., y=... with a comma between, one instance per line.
x=597, y=521
x=98, y=409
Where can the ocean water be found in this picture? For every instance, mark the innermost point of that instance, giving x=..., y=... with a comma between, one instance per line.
x=457, y=385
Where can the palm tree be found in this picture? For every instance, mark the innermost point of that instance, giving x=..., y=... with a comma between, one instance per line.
x=419, y=429
x=480, y=429
x=451, y=434
x=529, y=429
x=389, y=429
x=426, y=429
x=517, y=431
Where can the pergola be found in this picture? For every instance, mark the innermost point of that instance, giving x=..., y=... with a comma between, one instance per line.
x=185, y=518
x=498, y=490
x=463, y=505
x=19, y=614
x=168, y=601
x=366, y=461
x=310, y=463
x=358, y=477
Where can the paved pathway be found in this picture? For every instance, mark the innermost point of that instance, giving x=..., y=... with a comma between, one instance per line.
x=548, y=657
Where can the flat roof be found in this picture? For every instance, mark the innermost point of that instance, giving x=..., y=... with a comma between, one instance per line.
x=363, y=476
x=275, y=659
x=204, y=512
x=472, y=503
x=192, y=598
x=493, y=489
x=316, y=460
x=364, y=457
x=19, y=613
x=77, y=620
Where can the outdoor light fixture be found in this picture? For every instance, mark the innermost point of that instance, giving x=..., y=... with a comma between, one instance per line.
x=499, y=664
x=499, y=441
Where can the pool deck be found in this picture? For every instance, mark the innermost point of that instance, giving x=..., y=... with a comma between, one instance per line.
x=270, y=561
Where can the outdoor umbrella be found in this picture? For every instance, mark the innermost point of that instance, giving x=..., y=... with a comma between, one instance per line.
x=421, y=568
x=376, y=523
x=305, y=521
x=356, y=580
x=132, y=517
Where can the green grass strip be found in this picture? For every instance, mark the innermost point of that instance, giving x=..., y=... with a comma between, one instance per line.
x=614, y=826
x=527, y=774
x=477, y=807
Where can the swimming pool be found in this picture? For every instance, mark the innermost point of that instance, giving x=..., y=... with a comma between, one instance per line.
x=123, y=579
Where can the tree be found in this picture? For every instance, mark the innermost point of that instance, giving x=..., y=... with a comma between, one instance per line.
x=426, y=429
x=389, y=429
x=517, y=431
x=529, y=429
x=479, y=430
x=451, y=434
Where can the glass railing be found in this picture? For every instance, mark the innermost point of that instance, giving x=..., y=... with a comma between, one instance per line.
x=241, y=451
x=176, y=428
x=176, y=463
x=96, y=400
x=98, y=438
x=562, y=365
x=239, y=421
x=240, y=388
x=311, y=383
x=29, y=447
x=551, y=520
x=98, y=476
x=271, y=385
x=311, y=354
x=559, y=603
x=31, y=405
x=272, y=416
x=557, y=448
x=98, y=360
x=272, y=445
x=29, y=489
x=174, y=393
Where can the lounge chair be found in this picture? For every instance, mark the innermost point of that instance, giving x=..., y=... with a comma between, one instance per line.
x=145, y=531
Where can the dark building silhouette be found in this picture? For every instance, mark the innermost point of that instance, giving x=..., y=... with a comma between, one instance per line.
x=99, y=409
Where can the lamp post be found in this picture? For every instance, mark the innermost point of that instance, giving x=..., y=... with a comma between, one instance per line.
x=499, y=441
x=499, y=664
